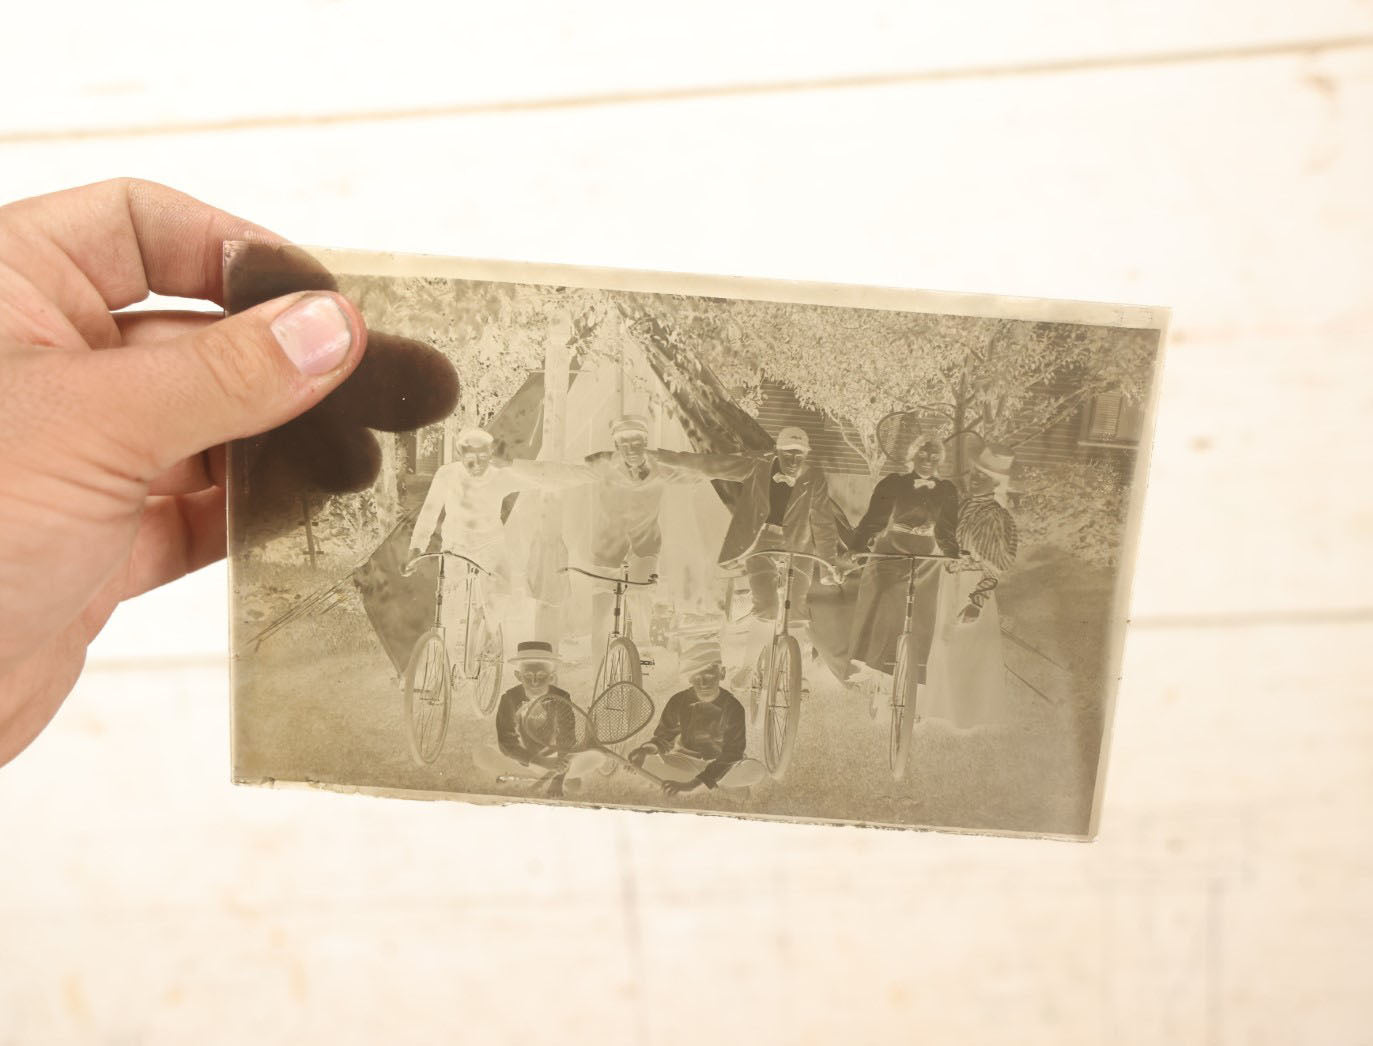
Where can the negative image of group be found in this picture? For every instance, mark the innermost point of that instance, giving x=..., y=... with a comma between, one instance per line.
x=921, y=540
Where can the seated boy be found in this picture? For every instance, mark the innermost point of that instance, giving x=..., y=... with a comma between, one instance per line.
x=700, y=738
x=514, y=752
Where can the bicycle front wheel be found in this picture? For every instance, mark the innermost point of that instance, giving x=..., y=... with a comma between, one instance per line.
x=783, y=711
x=758, y=685
x=620, y=665
x=490, y=664
x=427, y=697
x=903, y=711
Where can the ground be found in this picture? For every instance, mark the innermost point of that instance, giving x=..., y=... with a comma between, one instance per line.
x=319, y=701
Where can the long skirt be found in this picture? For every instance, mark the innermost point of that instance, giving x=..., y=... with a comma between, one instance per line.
x=879, y=613
x=966, y=674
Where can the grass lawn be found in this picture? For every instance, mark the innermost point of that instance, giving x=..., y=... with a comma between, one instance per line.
x=320, y=701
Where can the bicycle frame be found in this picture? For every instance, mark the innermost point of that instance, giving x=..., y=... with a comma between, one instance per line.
x=475, y=571
x=909, y=619
x=782, y=626
x=622, y=585
x=903, y=693
x=781, y=698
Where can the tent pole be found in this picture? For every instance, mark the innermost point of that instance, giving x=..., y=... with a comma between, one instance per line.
x=557, y=371
x=310, y=549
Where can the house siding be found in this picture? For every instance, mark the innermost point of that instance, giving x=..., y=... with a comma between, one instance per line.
x=1060, y=444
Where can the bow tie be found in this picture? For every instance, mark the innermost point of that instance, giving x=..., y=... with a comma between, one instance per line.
x=917, y=483
x=782, y=477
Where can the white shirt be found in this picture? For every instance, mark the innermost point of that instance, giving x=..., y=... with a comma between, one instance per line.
x=470, y=505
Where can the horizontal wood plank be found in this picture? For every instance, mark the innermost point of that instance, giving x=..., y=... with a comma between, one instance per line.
x=322, y=60
x=1227, y=888
x=1227, y=898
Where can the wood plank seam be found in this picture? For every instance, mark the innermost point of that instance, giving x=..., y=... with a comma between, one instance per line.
x=705, y=92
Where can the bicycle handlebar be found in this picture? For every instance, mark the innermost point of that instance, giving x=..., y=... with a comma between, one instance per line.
x=652, y=578
x=409, y=567
x=830, y=567
x=787, y=552
x=863, y=557
x=898, y=555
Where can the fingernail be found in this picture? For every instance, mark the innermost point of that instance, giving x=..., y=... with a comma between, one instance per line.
x=315, y=334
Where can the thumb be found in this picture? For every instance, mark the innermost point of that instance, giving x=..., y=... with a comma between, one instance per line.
x=243, y=375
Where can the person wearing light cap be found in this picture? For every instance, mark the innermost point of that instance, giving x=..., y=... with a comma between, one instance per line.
x=468, y=495
x=701, y=737
x=628, y=484
x=784, y=502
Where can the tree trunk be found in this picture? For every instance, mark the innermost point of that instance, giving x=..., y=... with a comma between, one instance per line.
x=450, y=433
x=548, y=618
x=310, y=547
x=388, y=493
x=960, y=417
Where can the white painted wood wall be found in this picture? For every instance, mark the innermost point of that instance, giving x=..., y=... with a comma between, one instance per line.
x=1216, y=157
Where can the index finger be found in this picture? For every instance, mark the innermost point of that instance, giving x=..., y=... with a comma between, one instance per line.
x=126, y=237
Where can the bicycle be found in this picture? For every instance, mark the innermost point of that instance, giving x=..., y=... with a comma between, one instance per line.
x=430, y=675
x=905, y=675
x=775, y=689
x=621, y=662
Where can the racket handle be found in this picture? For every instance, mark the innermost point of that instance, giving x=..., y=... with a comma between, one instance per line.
x=637, y=769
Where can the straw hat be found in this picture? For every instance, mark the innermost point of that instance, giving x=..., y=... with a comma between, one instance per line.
x=535, y=650
x=995, y=460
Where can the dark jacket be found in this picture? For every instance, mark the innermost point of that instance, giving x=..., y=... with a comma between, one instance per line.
x=896, y=500
x=709, y=730
x=809, y=524
x=510, y=731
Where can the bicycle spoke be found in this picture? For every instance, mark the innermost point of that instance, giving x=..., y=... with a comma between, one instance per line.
x=427, y=717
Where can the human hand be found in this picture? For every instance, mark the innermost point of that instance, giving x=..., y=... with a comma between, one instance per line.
x=641, y=753
x=398, y=386
x=969, y=614
x=112, y=423
x=678, y=787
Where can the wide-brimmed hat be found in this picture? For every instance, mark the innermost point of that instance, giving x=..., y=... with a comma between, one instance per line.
x=535, y=650
x=995, y=460
x=793, y=439
x=627, y=423
x=698, y=656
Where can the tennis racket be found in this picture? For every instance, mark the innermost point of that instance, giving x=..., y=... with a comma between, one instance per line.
x=621, y=711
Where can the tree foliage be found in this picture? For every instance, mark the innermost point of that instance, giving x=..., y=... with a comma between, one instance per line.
x=1078, y=506
x=1004, y=380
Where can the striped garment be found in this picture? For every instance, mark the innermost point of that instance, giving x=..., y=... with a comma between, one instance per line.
x=987, y=530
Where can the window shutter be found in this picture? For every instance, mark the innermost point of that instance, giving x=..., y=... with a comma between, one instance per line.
x=1110, y=418
x=1105, y=417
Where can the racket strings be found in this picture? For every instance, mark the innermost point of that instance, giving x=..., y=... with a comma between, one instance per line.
x=898, y=432
x=554, y=722
x=619, y=713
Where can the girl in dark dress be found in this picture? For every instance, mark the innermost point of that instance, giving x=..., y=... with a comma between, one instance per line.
x=909, y=513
